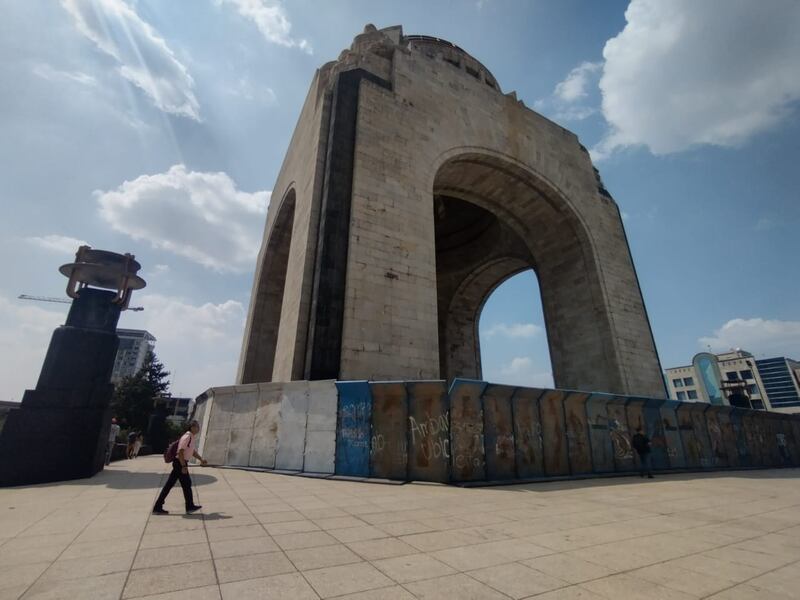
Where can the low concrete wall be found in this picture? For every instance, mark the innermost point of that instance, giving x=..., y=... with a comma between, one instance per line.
x=477, y=431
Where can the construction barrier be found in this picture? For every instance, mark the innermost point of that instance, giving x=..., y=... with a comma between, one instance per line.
x=477, y=432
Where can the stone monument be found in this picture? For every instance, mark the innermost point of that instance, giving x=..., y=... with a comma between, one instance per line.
x=61, y=429
x=412, y=187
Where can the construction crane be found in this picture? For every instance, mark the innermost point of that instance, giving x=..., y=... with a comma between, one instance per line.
x=61, y=300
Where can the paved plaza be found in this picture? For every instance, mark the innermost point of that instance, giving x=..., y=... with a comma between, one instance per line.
x=732, y=536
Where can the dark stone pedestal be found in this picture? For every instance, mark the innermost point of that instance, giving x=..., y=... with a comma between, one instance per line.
x=61, y=429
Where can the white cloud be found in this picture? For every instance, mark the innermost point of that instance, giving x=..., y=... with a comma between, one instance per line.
x=574, y=86
x=683, y=73
x=271, y=19
x=769, y=337
x=144, y=58
x=25, y=330
x=198, y=343
x=58, y=243
x=50, y=73
x=521, y=371
x=200, y=216
x=514, y=330
x=161, y=269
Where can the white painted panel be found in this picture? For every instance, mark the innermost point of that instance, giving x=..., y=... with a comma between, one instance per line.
x=321, y=427
x=203, y=415
x=265, y=429
x=292, y=426
x=222, y=409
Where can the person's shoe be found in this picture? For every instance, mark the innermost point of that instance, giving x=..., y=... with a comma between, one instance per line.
x=649, y=476
x=191, y=509
x=160, y=511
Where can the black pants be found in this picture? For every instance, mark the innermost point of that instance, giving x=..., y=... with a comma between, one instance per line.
x=186, y=485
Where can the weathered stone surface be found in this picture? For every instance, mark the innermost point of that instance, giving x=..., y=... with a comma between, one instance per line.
x=412, y=188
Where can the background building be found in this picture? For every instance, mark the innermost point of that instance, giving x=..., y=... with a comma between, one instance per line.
x=133, y=347
x=736, y=378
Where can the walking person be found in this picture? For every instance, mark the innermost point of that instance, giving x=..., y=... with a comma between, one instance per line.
x=184, y=451
x=132, y=435
x=137, y=444
x=112, y=439
x=641, y=443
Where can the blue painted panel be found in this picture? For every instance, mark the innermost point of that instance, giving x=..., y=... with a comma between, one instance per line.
x=467, y=456
x=655, y=431
x=353, y=428
x=672, y=437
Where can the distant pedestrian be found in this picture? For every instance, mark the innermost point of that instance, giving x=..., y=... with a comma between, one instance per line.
x=184, y=451
x=132, y=435
x=112, y=438
x=641, y=443
x=137, y=445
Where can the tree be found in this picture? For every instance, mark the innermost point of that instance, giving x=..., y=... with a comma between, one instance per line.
x=134, y=395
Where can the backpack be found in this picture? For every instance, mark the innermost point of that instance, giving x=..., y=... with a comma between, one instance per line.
x=171, y=453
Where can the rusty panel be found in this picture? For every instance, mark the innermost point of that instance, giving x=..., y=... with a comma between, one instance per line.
x=743, y=455
x=620, y=435
x=691, y=445
x=389, y=446
x=775, y=433
x=672, y=436
x=728, y=436
x=700, y=425
x=429, y=431
x=528, y=433
x=635, y=410
x=719, y=455
x=751, y=434
x=762, y=438
x=498, y=432
x=602, y=448
x=789, y=451
x=795, y=425
x=655, y=431
x=577, y=429
x=467, y=458
x=551, y=409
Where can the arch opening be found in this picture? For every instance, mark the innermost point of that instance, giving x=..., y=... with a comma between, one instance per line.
x=494, y=220
x=261, y=335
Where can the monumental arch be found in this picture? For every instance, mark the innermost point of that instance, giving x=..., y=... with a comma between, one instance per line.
x=413, y=186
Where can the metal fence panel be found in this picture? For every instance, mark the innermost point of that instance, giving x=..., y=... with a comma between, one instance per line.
x=265, y=427
x=752, y=438
x=320, y=447
x=468, y=461
x=243, y=414
x=292, y=426
x=719, y=455
x=389, y=447
x=700, y=425
x=528, y=433
x=429, y=431
x=551, y=408
x=620, y=435
x=692, y=447
x=672, y=435
x=599, y=436
x=498, y=432
x=654, y=428
x=354, y=428
x=728, y=436
x=576, y=425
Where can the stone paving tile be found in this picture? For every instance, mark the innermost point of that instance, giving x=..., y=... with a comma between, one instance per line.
x=14, y=577
x=252, y=566
x=291, y=527
x=413, y=567
x=173, y=538
x=453, y=587
x=391, y=593
x=346, y=579
x=157, y=580
x=291, y=586
x=236, y=533
x=358, y=534
x=312, y=539
x=209, y=592
x=254, y=545
x=90, y=550
x=107, y=587
x=516, y=580
x=633, y=588
x=567, y=568
x=77, y=568
x=325, y=556
x=750, y=592
x=171, y=555
x=382, y=548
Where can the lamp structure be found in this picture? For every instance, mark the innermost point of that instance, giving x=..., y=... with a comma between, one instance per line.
x=60, y=431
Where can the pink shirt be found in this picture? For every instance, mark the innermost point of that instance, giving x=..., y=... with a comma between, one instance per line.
x=187, y=446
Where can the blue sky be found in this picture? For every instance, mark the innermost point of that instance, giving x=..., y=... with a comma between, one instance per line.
x=690, y=110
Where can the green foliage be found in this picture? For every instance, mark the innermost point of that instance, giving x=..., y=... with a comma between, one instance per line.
x=134, y=396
